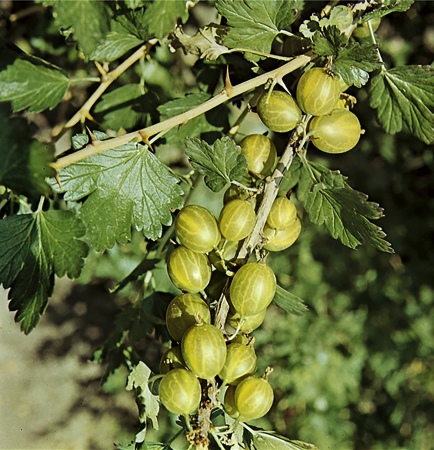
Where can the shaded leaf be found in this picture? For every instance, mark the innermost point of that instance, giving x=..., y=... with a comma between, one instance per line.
x=220, y=163
x=346, y=213
x=254, y=24
x=113, y=46
x=161, y=16
x=214, y=120
x=33, y=248
x=123, y=186
x=25, y=162
x=289, y=302
x=124, y=107
x=405, y=95
x=86, y=20
x=32, y=83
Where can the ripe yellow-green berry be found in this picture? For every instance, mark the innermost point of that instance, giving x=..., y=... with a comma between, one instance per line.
x=180, y=392
x=237, y=219
x=318, y=91
x=204, y=350
x=188, y=270
x=197, y=229
x=337, y=132
x=278, y=111
x=260, y=153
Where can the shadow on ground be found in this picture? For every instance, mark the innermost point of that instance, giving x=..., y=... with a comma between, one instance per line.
x=50, y=392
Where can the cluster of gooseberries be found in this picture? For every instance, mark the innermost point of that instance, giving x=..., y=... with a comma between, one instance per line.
x=203, y=266
x=331, y=126
x=207, y=351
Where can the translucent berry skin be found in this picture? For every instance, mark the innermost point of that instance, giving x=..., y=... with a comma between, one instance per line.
x=188, y=270
x=172, y=359
x=204, y=350
x=318, y=92
x=245, y=324
x=197, y=229
x=278, y=111
x=237, y=220
x=229, y=402
x=337, y=132
x=282, y=214
x=240, y=362
x=184, y=311
x=253, y=398
x=260, y=153
x=180, y=391
x=252, y=288
x=278, y=240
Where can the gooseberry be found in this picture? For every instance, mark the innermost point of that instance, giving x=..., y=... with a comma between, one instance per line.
x=189, y=271
x=318, y=92
x=184, y=311
x=204, y=350
x=196, y=228
x=237, y=220
x=278, y=111
x=337, y=132
x=171, y=359
x=278, y=240
x=253, y=398
x=245, y=324
x=260, y=153
x=252, y=288
x=240, y=361
x=180, y=391
x=283, y=213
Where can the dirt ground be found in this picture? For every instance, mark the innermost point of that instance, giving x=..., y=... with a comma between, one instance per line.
x=50, y=393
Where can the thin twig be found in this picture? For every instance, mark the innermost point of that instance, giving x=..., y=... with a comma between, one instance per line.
x=144, y=134
x=107, y=80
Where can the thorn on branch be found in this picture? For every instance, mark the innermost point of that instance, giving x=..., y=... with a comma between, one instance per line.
x=228, y=85
x=145, y=139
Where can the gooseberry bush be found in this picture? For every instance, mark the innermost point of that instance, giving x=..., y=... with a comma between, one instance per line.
x=114, y=122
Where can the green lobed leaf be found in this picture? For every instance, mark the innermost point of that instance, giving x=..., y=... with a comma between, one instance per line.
x=220, y=163
x=328, y=41
x=123, y=186
x=124, y=107
x=289, y=302
x=113, y=46
x=405, y=95
x=254, y=24
x=214, y=120
x=29, y=82
x=161, y=16
x=35, y=247
x=258, y=439
x=87, y=20
x=346, y=213
x=149, y=404
x=25, y=162
x=355, y=61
